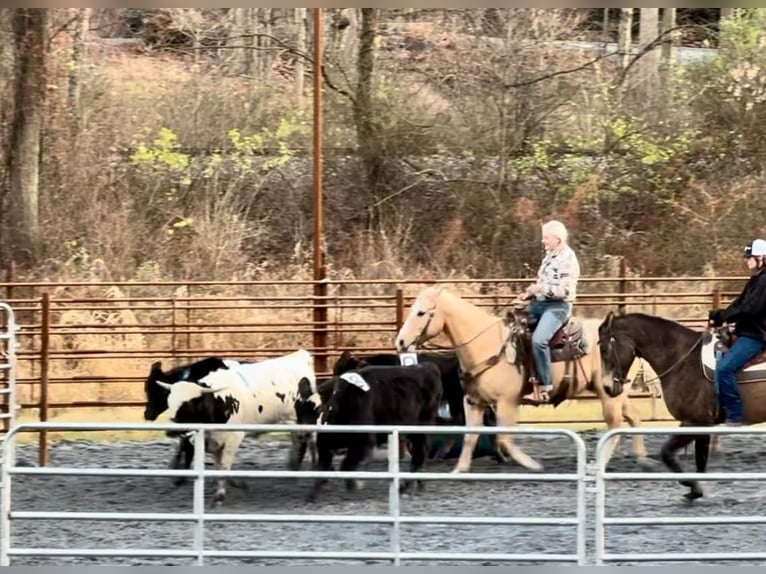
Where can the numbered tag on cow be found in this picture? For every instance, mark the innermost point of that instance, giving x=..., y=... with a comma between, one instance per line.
x=356, y=380
x=408, y=359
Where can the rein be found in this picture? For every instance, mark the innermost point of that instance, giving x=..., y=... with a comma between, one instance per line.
x=666, y=371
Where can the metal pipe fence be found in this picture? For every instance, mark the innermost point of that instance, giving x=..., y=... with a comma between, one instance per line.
x=81, y=344
x=602, y=520
x=200, y=517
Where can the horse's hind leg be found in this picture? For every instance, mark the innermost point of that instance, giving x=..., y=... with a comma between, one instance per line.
x=669, y=448
x=507, y=416
x=701, y=457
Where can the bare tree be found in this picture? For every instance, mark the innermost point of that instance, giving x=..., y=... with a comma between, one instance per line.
x=300, y=25
x=81, y=25
x=31, y=52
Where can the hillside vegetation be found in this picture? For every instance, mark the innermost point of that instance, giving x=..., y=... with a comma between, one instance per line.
x=446, y=146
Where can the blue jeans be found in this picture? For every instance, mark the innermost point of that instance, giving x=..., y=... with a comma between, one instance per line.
x=743, y=349
x=551, y=316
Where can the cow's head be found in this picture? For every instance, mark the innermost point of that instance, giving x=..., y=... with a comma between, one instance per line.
x=347, y=362
x=190, y=402
x=156, y=394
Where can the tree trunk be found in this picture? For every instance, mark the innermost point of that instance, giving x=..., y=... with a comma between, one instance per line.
x=81, y=25
x=300, y=23
x=241, y=39
x=367, y=137
x=650, y=62
x=625, y=36
x=265, y=50
x=30, y=34
x=666, y=66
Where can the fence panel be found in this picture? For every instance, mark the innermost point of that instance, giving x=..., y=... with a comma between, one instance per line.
x=8, y=365
x=601, y=520
x=200, y=517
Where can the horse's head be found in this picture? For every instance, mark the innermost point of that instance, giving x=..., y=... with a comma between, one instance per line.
x=425, y=320
x=617, y=355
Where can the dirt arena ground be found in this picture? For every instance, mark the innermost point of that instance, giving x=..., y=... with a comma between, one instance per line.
x=639, y=498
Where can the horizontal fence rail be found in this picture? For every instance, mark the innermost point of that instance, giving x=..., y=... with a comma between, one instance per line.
x=603, y=476
x=200, y=517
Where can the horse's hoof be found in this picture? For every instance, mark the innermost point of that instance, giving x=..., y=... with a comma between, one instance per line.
x=647, y=463
x=179, y=482
x=239, y=483
x=693, y=495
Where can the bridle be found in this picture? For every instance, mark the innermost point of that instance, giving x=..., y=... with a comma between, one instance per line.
x=486, y=363
x=621, y=378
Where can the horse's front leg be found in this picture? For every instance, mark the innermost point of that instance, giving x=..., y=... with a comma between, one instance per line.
x=474, y=417
x=669, y=448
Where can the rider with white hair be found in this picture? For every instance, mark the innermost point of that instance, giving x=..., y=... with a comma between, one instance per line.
x=552, y=297
x=748, y=313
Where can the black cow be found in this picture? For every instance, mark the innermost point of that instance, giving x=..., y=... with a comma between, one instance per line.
x=157, y=400
x=377, y=395
x=449, y=368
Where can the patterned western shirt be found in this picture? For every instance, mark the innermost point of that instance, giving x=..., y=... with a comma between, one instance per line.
x=558, y=275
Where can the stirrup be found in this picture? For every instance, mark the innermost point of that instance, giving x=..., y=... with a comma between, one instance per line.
x=537, y=395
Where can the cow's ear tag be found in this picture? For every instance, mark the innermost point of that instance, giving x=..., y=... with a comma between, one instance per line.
x=408, y=359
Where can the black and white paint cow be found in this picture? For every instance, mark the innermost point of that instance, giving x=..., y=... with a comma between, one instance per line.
x=157, y=399
x=257, y=393
x=377, y=395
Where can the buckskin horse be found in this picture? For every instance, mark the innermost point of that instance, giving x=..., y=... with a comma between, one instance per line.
x=684, y=360
x=494, y=356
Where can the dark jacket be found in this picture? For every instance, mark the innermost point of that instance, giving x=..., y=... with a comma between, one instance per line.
x=748, y=310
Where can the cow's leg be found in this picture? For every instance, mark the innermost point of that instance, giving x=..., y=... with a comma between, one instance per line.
x=324, y=463
x=419, y=444
x=182, y=458
x=225, y=459
x=312, y=443
x=297, y=450
x=357, y=452
x=507, y=416
x=474, y=417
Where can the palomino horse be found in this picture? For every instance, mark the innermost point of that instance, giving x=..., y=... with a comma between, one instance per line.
x=685, y=362
x=491, y=355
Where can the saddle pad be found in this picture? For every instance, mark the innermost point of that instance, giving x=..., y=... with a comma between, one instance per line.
x=356, y=380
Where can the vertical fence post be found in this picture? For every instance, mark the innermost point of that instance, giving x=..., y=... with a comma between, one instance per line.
x=10, y=273
x=173, y=328
x=393, y=494
x=42, y=449
x=623, y=286
x=199, y=495
x=399, y=308
x=188, y=317
x=320, y=284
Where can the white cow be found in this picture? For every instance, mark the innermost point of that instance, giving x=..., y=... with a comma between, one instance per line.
x=251, y=393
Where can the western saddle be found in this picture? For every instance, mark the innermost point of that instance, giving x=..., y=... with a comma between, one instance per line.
x=566, y=345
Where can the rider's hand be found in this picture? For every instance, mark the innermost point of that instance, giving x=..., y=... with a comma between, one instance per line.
x=534, y=289
x=715, y=317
